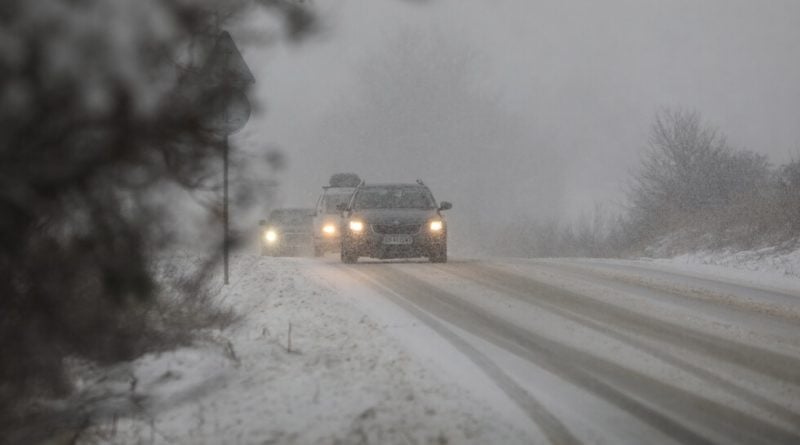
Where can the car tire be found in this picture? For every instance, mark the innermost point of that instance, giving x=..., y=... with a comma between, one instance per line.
x=439, y=254
x=347, y=256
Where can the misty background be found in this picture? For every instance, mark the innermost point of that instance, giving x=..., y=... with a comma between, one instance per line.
x=518, y=108
x=659, y=127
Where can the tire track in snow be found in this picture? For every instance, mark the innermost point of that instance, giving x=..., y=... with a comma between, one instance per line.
x=773, y=364
x=655, y=402
x=612, y=330
x=553, y=428
x=572, y=365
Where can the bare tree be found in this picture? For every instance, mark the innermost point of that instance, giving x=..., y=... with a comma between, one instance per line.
x=688, y=168
x=788, y=192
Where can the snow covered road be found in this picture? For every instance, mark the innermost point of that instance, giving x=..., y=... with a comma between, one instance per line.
x=603, y=352
x=481, y=351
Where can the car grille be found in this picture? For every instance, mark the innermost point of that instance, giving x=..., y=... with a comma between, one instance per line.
x=396, y=229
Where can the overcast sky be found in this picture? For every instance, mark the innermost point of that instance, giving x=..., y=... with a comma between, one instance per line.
x=551, y=101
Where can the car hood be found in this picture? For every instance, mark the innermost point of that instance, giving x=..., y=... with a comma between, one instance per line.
x=395, y=216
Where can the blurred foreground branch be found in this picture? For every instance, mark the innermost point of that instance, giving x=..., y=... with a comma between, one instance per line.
x=99, y=123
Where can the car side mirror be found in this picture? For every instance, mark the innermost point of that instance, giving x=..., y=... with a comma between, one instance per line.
x=342, y=206
x=444, y=205
x=262, y=222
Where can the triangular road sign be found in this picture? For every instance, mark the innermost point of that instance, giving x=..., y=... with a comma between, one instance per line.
x=225, y=65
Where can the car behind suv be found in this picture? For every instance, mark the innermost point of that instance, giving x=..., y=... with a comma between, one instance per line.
x=393, y=221
x=328, y=219
x=286, y=232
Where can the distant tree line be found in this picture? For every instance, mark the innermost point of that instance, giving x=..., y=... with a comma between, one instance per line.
x=690, y=191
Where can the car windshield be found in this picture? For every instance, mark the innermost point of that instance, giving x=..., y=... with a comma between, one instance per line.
x=394, y=198
x=287, y=218
x=334, y=199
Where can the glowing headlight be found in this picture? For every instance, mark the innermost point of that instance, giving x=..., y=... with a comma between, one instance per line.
x=436, y=226
x=270, y=236
x=329, y=229
x=356, y=226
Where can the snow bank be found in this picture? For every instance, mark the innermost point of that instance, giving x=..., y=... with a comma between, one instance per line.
x=763, y=260
x=771, y=266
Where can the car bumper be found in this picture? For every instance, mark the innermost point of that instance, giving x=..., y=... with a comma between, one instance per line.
x=328, y=243
x=372, y=245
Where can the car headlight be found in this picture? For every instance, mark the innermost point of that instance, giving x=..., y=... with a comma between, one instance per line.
x=329, y=229
x=356, y=226
x=270, y=236
x=436, y=226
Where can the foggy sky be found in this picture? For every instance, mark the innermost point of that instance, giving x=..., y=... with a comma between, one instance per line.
x=577, y=84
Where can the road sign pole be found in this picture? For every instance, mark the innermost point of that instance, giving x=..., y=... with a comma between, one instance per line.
x=225, y=236
x=227, y=78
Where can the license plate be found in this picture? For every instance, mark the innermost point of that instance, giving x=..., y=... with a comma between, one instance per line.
x=397, y=239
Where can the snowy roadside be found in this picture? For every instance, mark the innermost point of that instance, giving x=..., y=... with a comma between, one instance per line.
x=337, y=378
x=769, y=259
x=766, y=267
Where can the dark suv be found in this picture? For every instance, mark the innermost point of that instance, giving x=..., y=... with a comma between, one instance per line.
x=393, y=221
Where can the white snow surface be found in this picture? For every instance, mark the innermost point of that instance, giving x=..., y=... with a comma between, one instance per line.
x=766, y=266
x=344, y=380
x=409, y=352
